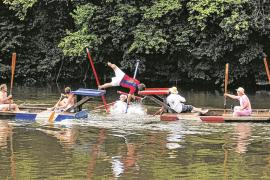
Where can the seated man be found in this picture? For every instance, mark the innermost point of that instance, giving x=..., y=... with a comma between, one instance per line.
x=6, y=102
x=176, y=101
x=66, y=103
x=245, y=107
x=121, y=79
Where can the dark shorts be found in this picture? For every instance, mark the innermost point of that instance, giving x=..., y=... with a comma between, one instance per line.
x=187, y=108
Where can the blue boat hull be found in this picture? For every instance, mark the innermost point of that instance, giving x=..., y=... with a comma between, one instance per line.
x=34, y=116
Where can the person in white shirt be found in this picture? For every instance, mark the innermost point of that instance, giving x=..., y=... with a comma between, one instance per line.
x=176, y=102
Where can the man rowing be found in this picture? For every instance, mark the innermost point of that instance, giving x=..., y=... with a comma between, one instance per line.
x=123, y=80
x=66, y=103
x=6, y=102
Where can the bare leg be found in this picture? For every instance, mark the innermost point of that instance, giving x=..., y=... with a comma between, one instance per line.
x=200, y=110
x=15, y=107
x=104, y=86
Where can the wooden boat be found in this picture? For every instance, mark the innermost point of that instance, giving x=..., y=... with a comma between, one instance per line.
x=218, y=116
x=39, y=113
x=158, y=95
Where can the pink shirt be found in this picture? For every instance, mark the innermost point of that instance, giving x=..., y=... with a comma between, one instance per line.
x=244, y=102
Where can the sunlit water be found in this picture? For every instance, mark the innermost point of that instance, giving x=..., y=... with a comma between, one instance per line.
x=134, y=146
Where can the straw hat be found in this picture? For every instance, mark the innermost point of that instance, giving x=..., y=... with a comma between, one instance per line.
x=240, y=90
x=173, y=90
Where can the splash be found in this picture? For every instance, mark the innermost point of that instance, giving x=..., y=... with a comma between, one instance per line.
x=133, y=109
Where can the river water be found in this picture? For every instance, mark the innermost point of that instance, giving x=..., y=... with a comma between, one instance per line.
x=132, y=146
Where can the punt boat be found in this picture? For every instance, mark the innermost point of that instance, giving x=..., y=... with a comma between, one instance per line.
x=158, y=95
x=39, y=113
x=219, y=116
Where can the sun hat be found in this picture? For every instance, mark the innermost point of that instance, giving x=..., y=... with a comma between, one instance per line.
x=173, y=90
x=241, y=90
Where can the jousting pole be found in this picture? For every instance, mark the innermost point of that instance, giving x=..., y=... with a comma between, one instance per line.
x=96, y=77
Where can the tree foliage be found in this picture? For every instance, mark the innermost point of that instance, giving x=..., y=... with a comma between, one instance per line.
x=177, y=40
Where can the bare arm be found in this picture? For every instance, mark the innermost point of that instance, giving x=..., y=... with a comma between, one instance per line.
x=4, y=100
x=231, y=96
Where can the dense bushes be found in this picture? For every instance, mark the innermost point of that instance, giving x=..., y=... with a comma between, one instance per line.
x=177, y=40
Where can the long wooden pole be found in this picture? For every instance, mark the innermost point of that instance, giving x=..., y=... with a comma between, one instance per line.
x=226, y=84
x=13, y=64
x=266, y=68
x=96, y=77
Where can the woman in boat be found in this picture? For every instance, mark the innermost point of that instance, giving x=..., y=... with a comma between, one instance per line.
x=176, y=102
x=66, y=103
x=123, y=80
x=245, y=107
x=6, y=102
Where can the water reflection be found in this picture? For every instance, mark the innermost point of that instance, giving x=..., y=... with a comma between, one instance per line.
x=96, y=150
x=5, y=133
x=125, y=162
x=243, y=132
x=66, y=136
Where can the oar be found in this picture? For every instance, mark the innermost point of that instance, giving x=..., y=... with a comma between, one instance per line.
x=134, y=76
x=266, y=68
x=51, y=117
x=226, y=84
x=13, y=64
x=96, y=77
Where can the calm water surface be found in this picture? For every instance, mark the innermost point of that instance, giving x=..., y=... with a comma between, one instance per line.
x=134, y=147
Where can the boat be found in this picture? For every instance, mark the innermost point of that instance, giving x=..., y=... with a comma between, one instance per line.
x=158, y=95
x=39, y=113
x=219, y=116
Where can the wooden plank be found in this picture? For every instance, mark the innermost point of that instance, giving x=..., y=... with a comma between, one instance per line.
x=81, y=102
x=160, y=103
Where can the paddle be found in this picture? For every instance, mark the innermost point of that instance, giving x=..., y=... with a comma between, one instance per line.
x=266, y=68
x=226, y=84
x=51, y=117
x=96, y=77
x=13, y=64
x=134, y=76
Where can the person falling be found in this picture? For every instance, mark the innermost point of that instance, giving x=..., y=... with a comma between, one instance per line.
x=123, y=80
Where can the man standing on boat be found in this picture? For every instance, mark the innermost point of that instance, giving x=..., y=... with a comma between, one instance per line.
x=245, y=107
x=123, y=80
x=6, y=102
x=176, y=102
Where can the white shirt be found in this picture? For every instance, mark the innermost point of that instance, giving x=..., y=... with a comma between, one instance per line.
x=119, y=74
x=174, y=100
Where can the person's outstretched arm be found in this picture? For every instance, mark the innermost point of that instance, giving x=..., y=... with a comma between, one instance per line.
x=231, y=96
